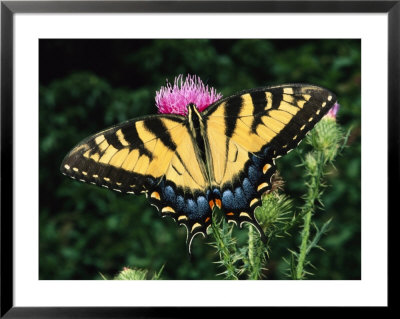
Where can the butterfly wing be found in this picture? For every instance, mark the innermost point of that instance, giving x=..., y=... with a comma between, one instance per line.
x=154, y=155
x=246, y=132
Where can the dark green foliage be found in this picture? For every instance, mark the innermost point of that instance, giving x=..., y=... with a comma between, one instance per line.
x=87, y=232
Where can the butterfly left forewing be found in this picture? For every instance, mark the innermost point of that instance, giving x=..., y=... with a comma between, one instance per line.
x=154, y=155
x=127, y=157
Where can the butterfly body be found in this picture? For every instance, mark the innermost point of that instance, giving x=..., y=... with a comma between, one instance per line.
x=188, y=165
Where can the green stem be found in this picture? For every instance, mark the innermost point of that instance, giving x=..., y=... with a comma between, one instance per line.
x=325, y=139
x=225, y=255
x=303, y=246
x=251, y=253
x=309, y=208
x=256, y=254
x=251, y=245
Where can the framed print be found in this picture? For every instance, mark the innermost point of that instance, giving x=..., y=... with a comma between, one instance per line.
x=264, y=127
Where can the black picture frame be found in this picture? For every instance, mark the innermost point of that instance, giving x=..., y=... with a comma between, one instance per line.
x=9, y=8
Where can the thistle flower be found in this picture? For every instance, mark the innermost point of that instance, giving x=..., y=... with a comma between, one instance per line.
x=175, y=98
x=333, y=111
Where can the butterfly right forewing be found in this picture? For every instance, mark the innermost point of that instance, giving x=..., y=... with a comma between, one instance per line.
x=292, y=111
x=247, y=131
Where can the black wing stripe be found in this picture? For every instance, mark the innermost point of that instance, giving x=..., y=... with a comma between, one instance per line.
x=132, y=137
x=305, y=120
x=277, y=96
x=232, y=110
x=259, y=103
x=113, y=140
x=158, y=128
x=93, y=147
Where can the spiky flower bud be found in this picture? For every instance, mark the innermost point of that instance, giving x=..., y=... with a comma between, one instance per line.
x=333, y=112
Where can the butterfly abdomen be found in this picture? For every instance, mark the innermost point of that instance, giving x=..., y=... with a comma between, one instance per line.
x=196, y=127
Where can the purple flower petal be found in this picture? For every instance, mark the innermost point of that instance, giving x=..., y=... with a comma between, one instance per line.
x=333, y=111
x=174, y=99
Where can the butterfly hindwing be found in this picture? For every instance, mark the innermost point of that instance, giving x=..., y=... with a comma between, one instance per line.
x=247, y=131
x=187, y=208
x=239, y=199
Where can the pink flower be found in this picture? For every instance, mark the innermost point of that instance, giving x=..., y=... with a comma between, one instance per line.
x=333, y=111
x=174, y=99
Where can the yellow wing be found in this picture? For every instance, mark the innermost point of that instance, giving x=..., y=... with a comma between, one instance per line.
x=277, y=117
x=247, y=131
x=133, y=156
x=155, y=155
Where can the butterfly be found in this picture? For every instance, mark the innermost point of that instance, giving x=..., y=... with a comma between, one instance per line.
x=221, y=157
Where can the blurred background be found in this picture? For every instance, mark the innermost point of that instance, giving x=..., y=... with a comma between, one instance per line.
x=89, y=85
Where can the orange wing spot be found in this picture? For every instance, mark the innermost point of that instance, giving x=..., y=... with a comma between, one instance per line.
x=155, y=195
x=211, y=203
x=218, y=203
x=207, y=219
x=266, y=168
x=230, y=214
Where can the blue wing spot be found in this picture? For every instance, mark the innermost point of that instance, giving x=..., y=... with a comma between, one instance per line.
x=180, y=203
x=248, y=188
x=257, y=161
x=216, y=193
x=169, y=194
x=254, y=174
x=240, y=195
x=203, y=206
x=191, y=208
x=265, y=151
x=150, y=181
x=230, y=202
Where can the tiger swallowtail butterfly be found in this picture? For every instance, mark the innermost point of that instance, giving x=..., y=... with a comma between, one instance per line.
x=188, y=164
